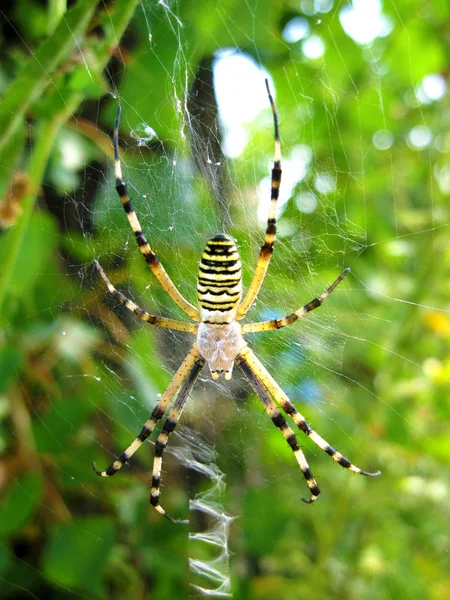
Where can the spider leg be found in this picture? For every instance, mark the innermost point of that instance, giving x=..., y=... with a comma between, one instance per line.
x=265, y=253
x=143, y=314
x=249, y=361
x=178, y=379
x=280, y=422
x=168, y=427
x=150, y=257
x=301, y=312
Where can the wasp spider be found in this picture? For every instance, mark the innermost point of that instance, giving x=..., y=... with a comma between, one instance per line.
x=219, y=336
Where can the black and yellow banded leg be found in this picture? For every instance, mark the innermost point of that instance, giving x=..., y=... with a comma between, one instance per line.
x=280, y=422
x=143, y=314
x=168, y=427
x=289, y=319
x=248, y=358
x=150, y=257
x=265, y=253
x=158, y=412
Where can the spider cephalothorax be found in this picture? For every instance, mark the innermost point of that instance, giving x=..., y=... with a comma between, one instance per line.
x=219, y=335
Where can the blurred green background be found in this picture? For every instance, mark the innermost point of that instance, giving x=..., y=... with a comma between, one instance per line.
x=361, y=91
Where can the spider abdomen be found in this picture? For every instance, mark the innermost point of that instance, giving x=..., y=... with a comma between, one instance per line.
x=219, y=286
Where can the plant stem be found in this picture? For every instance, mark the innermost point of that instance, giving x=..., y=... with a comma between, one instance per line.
x=45, y=137
x=46, y=134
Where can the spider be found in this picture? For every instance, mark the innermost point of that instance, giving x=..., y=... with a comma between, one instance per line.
x=219, y=335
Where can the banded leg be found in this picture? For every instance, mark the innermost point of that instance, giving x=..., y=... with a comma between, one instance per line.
x=178, y=379
x=279, y=323
x=169, y=426
x=248, y=358
x=280, y=422
x=265, y=253
x=143, y=314
x=150, y=257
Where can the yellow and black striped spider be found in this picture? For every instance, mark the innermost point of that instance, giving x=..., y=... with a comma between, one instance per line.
x=219, y=335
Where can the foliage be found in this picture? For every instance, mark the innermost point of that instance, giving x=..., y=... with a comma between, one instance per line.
x=371, y=371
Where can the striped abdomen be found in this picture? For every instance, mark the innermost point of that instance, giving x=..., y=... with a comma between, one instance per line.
x=219, y=286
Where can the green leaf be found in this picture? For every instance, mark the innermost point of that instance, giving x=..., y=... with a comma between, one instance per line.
x=10, y=363
x=36, y=75
x=65, y=417
x=33, y=257
x=20, y=503
x=77, y=552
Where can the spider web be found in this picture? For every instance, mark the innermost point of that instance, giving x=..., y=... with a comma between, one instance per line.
x=347, y=199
